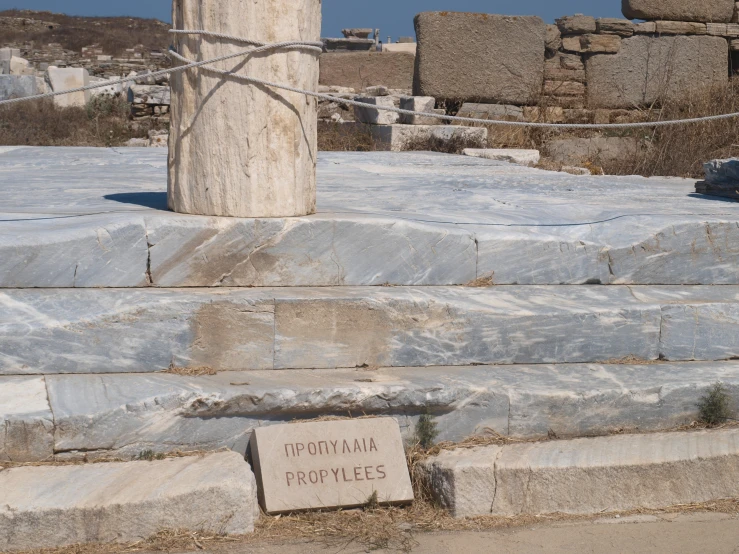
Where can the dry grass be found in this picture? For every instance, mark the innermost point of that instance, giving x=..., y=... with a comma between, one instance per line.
x=104, y=122
x=334, y=137
x=113, y=34
x=455, y=145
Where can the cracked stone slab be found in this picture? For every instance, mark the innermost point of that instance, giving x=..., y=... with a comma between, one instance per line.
x=587, y=476
x=126, y=414
x=383, y=218
x=26, y=421
x=55, y=506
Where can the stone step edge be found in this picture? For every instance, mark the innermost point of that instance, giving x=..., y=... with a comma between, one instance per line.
x=53, y=506
x=586, y=476
x=121, y=415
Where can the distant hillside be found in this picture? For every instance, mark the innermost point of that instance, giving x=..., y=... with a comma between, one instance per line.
x=113, y=34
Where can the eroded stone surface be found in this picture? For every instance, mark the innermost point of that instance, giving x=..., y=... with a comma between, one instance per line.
x=53, y=506
x=531, y=226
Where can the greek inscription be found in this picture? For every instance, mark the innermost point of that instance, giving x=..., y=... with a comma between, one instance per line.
x=327, y=448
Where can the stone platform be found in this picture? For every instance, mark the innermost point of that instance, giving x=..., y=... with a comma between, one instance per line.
x=85, y=217
x=489, y=295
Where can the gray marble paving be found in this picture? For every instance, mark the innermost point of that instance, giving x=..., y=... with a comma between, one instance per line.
x=86, y=217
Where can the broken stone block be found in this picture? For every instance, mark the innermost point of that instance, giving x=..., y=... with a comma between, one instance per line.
x=17, y=86
x=513, y=50
x=576, y=24
x=52, y=506
x=645, y=28
x=61, y=79
x=571, y=44
x=374, y=116
x=597, y=150
x=680, y=28
x=600, y=44
x=503, y=112
x=9, y=53
x=512, y=155
x=358, y=33
x=149, y=95
x=554, y=39
x=648, y=69
x=615, y=26
x=418, y=104
x=564, y=88
x=716, y=11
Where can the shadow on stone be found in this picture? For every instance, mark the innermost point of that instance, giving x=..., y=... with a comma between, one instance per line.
x=155, y=200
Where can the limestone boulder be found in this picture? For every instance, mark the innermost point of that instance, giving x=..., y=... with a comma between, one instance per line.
x=717, y=11
x=648, y=69
x=479, y=57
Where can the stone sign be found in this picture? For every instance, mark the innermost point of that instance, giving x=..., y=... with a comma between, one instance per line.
x=330, y=464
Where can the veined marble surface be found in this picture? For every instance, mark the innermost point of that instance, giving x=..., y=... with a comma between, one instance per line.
x=88, y=217
x=51, y=331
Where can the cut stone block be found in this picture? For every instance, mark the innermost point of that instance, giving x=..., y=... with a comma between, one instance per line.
x=571, y=62
x=408, y=48
x=648, y=69
x=330, y=464
x=17, y=86
x=716, y=11
x=124, y=414
x=149, y=94
x=52, y=506
x=597, y=150
x=564, y=88
x=722, y=179
x=587, y=476
x=418, y=104
x=576, y=24
x=559, y=74
x=358, y=70
x=513, y=49
x=61, y=79
x=572, y=44
x=376, y=116
x=614, y=26
x=26, y=421
x=680, y=28
x=9, y=53
x=523, y=157
x=645, y=28
x=397, y=138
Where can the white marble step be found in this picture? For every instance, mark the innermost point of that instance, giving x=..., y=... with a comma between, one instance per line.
x=70, y=416
x=50, y=331
x=95, y=217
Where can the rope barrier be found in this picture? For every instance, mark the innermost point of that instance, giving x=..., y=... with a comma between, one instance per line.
x=317, y=47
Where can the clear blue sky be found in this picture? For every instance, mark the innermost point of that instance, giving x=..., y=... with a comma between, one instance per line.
x=393, y=17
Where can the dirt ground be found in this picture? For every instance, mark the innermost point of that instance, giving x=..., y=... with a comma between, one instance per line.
x=694, y=533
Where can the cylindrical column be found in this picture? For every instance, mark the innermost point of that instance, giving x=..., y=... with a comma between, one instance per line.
x=237, y=149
